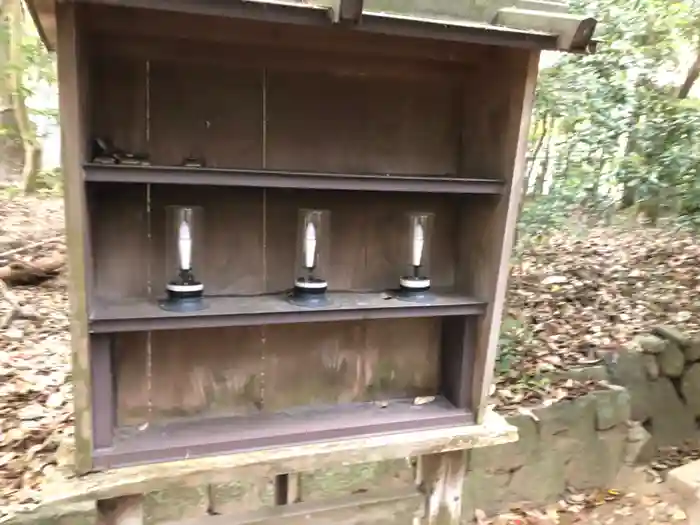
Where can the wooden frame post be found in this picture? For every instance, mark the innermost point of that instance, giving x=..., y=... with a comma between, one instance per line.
x=440, y=478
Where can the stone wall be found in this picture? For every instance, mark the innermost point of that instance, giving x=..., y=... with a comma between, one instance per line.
x=580, y=443
x=661, y=371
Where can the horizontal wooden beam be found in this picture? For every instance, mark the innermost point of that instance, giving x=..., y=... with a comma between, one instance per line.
x=126, y=481
x=573, y=32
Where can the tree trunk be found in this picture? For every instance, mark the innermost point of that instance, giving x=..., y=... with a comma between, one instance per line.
x=691, y=77
x=11, y=149
x=538, y=146
x=30, y=167
x=542, y=173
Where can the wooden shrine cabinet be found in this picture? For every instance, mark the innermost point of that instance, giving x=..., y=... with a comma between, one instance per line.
x=249, y=112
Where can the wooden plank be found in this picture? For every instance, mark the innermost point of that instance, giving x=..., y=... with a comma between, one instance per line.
x=206, y=372
x=270, y=462
x=184, y=438
x=72, y=96
x=440, y=478
x=378, y=125
x=103, y=394
x=119, y=25
x=312, y=15
x=143, y=314
x=457, y=347
x=119, y=101
x=349, y=362
x=119, y=218
x=574, y=32
x=386, y=182
x=383, y=508
x=486, y=251
x=219, y=117
x=132, y=378
x=121, y=511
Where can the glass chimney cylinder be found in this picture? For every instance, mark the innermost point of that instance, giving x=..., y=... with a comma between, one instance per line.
x=312, y=256
x=183, y=254
x=415, y=275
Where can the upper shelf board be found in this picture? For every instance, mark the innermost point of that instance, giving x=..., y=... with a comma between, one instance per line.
x=291, y=179
x=144, y=314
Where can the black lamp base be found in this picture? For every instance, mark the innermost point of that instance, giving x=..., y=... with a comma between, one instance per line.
x=310, y=293
x=414, y=289
x=185, y=294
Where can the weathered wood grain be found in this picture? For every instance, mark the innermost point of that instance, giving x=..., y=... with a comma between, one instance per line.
x=72, y=99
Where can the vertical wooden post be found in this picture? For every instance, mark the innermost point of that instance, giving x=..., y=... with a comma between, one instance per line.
x=440, y=478
x=72, y=70
x=492, y=270
x=127, y=510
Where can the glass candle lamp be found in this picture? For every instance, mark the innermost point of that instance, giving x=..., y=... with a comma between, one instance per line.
x=183, y=250
x=415, y=277
x=313, y=252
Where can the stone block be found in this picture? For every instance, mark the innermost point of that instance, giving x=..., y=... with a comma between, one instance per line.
x=542, y=480
x=78, y=514
x=598, y=460
x=651, y=365
x=613, y=407
x=628, y=369
x=345, y=480
x=672, y=420
x=671, y=361
x=649, y=344
x=176, y=504
x=690, y=387
x=692, y=351
x=583, y=373
x=241, y=495
x=672, y=334
x=511, y=455
x=636, y=443
x=568, y=418
x=487, y=491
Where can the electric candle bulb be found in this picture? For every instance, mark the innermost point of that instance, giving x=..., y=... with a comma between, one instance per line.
x=185, y=246
x=309, y=246
x=418, y=241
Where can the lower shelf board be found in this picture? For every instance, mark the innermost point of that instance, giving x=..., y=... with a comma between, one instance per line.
x=199, y=437
x=144, y=314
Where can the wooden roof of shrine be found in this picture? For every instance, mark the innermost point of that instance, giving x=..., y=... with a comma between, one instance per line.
x=533, y=24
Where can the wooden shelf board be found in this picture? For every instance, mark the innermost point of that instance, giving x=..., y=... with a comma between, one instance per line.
x=290, y=179
x=143, y=314
x=199, y=437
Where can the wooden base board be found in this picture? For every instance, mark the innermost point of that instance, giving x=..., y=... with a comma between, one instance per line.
x=209, y=436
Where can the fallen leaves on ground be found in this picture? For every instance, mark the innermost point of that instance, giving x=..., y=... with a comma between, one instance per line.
x=35, y=391
x=599, y=507
x=574, y=296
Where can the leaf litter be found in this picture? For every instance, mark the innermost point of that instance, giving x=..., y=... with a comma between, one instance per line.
x=571, y=298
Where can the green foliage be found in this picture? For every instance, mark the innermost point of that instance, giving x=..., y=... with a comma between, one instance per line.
x=619, y=130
